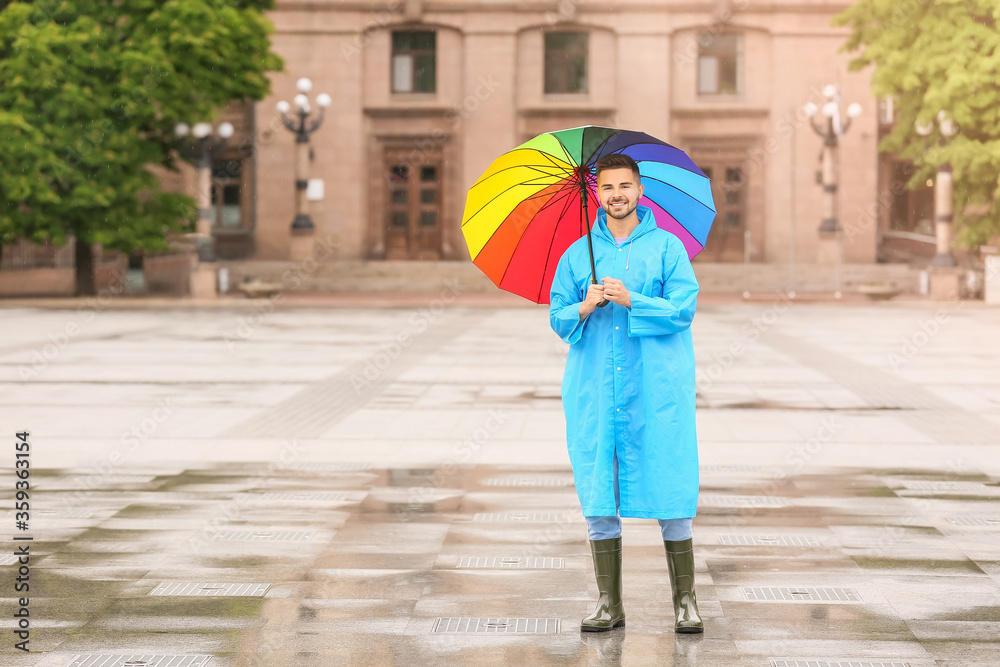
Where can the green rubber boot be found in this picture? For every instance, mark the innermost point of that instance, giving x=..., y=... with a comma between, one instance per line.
x=610, y=612
x=680, y=563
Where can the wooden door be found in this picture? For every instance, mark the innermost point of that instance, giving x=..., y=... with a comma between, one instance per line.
x=413, y=211
x=729, y=190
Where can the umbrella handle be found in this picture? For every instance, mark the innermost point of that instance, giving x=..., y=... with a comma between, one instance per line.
x=603, y=302
x=586, y=224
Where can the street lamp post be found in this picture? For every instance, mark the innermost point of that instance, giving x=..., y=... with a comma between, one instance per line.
x=943, y=213
x=201, y=148
x=831, y=130
x=302, y=125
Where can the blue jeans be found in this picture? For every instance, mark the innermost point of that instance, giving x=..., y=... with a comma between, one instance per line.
x=610, y=527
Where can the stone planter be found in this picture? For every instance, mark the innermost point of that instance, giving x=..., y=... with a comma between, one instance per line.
x=880, y=291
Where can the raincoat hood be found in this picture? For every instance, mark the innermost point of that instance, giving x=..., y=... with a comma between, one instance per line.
x=647, y=223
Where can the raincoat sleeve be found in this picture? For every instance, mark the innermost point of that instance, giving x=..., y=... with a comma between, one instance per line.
x=673, y=311
x=564, y=303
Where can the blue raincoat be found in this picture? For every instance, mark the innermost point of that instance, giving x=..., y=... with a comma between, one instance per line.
x=629, y=385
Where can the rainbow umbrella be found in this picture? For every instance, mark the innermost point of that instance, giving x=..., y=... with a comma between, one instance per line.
x=535, y=201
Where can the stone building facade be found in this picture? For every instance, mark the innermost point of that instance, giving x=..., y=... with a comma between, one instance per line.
x=426, y=93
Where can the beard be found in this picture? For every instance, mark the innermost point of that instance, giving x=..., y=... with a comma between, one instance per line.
x=623, y=212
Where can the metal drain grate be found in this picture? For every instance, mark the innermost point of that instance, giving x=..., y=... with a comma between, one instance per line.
x=769, y=540
x=944, y=486
x=201, y=589
x=801, y=594
x=139, y=661
x=527, y=481
x=974, y=520
x=306, y=496
x=528, y=517
x=742, y=501
x=330, y=466
x=512, y=562
x=263, y=535
x=527, y=626
x=836, y=663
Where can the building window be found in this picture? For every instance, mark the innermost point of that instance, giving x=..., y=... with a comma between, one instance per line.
x=413, y=61
x=227, y=177
x=720, y=66
x=566, y=62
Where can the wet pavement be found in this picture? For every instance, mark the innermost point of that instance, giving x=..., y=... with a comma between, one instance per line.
x=390, y=486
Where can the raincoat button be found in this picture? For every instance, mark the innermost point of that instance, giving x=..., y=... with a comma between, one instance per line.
x=619, y=249
x=616, y=328
x=618, y=410
x=619, y=368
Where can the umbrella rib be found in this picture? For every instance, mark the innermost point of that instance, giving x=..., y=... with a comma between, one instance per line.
x=548, y=255
x=553, y=199
x=679, y=166
x=497, y=196
x=542, y=174
x=686, y=194
x=569, y=156
x=647, y=143
x=558, y=195
x=505, y=190
x=534, y=167
x=551, y=163
x=654, y=142
x=599, y=147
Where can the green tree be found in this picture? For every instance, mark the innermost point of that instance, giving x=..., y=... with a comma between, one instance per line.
x=91, y=92
x=933, y=56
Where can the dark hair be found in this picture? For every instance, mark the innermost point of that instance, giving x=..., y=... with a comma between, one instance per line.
x=616, y=161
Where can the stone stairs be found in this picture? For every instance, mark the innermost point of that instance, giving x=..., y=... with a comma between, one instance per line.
x=432, y=276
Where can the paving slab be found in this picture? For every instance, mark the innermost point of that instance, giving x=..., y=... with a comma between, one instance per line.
x=363, y=482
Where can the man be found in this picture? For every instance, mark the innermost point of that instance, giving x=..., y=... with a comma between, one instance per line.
x=629, y=388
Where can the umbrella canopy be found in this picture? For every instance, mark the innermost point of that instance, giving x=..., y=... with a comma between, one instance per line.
x=536, y=200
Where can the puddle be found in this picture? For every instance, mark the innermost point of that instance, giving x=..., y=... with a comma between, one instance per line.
x=186, y=606
x=938, y=567
x=409, y=527
x=410, y=476
x=764, y=404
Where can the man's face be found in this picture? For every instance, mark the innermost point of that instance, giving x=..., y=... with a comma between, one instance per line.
x=618, y=191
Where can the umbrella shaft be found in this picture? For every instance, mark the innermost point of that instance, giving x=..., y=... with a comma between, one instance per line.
x=590, y=240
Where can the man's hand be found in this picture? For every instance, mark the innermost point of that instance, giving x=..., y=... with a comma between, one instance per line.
x=595, y=294
x=614, y=291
